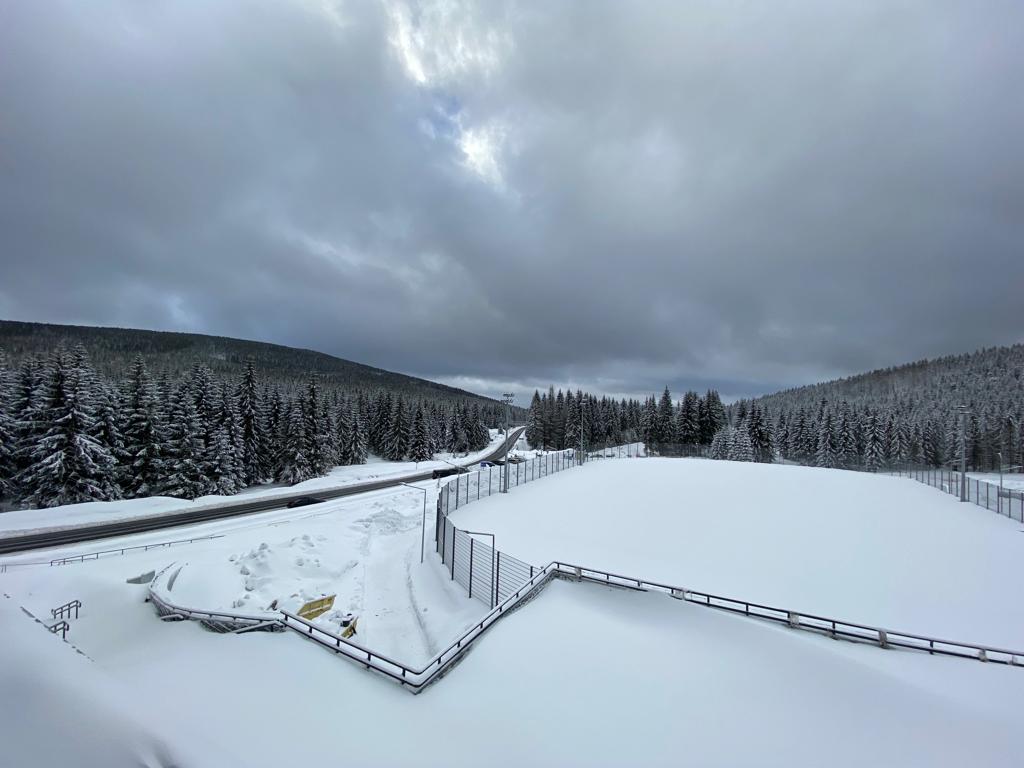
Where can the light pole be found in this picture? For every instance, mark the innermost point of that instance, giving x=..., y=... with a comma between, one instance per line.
x=423, y=523
x=507, y=398
x=963, y=451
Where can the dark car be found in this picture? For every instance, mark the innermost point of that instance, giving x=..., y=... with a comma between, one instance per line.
x=304, y=501
x=447, y=471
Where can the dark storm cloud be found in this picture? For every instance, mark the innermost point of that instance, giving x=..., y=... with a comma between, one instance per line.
x=615, y=196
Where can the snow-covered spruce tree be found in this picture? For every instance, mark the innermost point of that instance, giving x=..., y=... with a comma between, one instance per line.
x=254, y=459
x=664, y=425
x=315, y=432
x=712, y=416
x=68, y=465
x=397, y=442
x=419, y=444
x=688, y=427
x=344, y=414
x=825, y=453
x=873, y=444
x=6, y=430
x=573, y=423
x=535, y=422
x=356, y=442
x=478, y=434
x=27, y=413
x=143, y=435
x=185, y=476
x=741, y=448
x=294, y=467
x=223, y=455
x=721, y=443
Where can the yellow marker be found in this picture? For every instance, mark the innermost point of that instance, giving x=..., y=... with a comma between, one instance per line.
x=315, y=608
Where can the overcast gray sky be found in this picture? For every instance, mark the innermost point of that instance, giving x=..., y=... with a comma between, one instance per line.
x=612, y=195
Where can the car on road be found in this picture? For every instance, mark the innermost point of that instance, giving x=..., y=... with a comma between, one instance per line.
x=516, y=460
x=447, y=471
x=304, y=501
x=486, y=464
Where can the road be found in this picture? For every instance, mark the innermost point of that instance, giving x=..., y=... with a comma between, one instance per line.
x=173, y=520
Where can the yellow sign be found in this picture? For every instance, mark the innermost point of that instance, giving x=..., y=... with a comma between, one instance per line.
x=314, y=608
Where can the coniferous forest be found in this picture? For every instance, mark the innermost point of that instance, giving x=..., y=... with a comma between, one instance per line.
x=895, y=417
x=69, y=434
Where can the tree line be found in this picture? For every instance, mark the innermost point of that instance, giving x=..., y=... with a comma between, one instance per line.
x=557, y=421
x=69, y=435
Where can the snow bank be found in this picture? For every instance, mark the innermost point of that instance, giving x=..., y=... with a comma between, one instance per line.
x=866, y=548
x=586, y=675
x=59, y=708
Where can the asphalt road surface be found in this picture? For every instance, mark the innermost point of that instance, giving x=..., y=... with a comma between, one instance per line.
x=158, y=522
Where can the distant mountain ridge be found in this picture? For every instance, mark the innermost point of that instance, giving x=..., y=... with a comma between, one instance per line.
x=113, y=349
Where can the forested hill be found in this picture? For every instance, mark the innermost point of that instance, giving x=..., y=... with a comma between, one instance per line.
x=905, y=413
x=112, y=351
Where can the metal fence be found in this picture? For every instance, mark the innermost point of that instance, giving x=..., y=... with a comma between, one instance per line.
x=1005, y=501
x=484, y=572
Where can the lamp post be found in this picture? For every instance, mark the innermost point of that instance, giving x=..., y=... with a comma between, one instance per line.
x=507, y=398
x=423, y=523
x=963, y=451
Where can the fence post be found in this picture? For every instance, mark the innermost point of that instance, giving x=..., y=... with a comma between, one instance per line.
x=471, y=542
x=497, y=580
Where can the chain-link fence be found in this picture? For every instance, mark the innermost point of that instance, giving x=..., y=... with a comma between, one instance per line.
x=1005, y=501
x=486, y=573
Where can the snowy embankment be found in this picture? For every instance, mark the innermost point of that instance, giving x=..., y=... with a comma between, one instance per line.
x=27, y=521
x=872, y=549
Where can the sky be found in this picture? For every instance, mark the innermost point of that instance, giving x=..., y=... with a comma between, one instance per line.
x=505, y=195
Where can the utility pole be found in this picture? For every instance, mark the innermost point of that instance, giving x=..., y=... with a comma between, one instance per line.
x=963, y=451
x=507, y=398
x=581, y=430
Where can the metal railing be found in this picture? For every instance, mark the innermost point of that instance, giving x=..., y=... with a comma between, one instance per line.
x=834, y=628
x=218, y=621
x=62, y=611
x=121, y=550
x=416, y=679
x=60, y=626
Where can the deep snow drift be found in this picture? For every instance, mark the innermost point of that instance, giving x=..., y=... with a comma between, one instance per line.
x=872, y=549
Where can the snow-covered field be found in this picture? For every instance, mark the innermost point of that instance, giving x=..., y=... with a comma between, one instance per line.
x=872, y=549
x=1014, y=480
x=24, y=521
x=582, y=675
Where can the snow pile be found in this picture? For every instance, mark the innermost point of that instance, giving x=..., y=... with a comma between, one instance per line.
x=873, y=549
x=59, y=708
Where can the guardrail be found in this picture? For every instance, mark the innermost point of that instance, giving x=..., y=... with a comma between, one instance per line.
x=218, y=621
x=834, y=628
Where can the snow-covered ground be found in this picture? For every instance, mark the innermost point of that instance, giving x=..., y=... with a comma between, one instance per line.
x=25, y=521
x=365, y=550
x=1014, y=480
x=873, y=549
x=585, y=675
x=582, y=675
